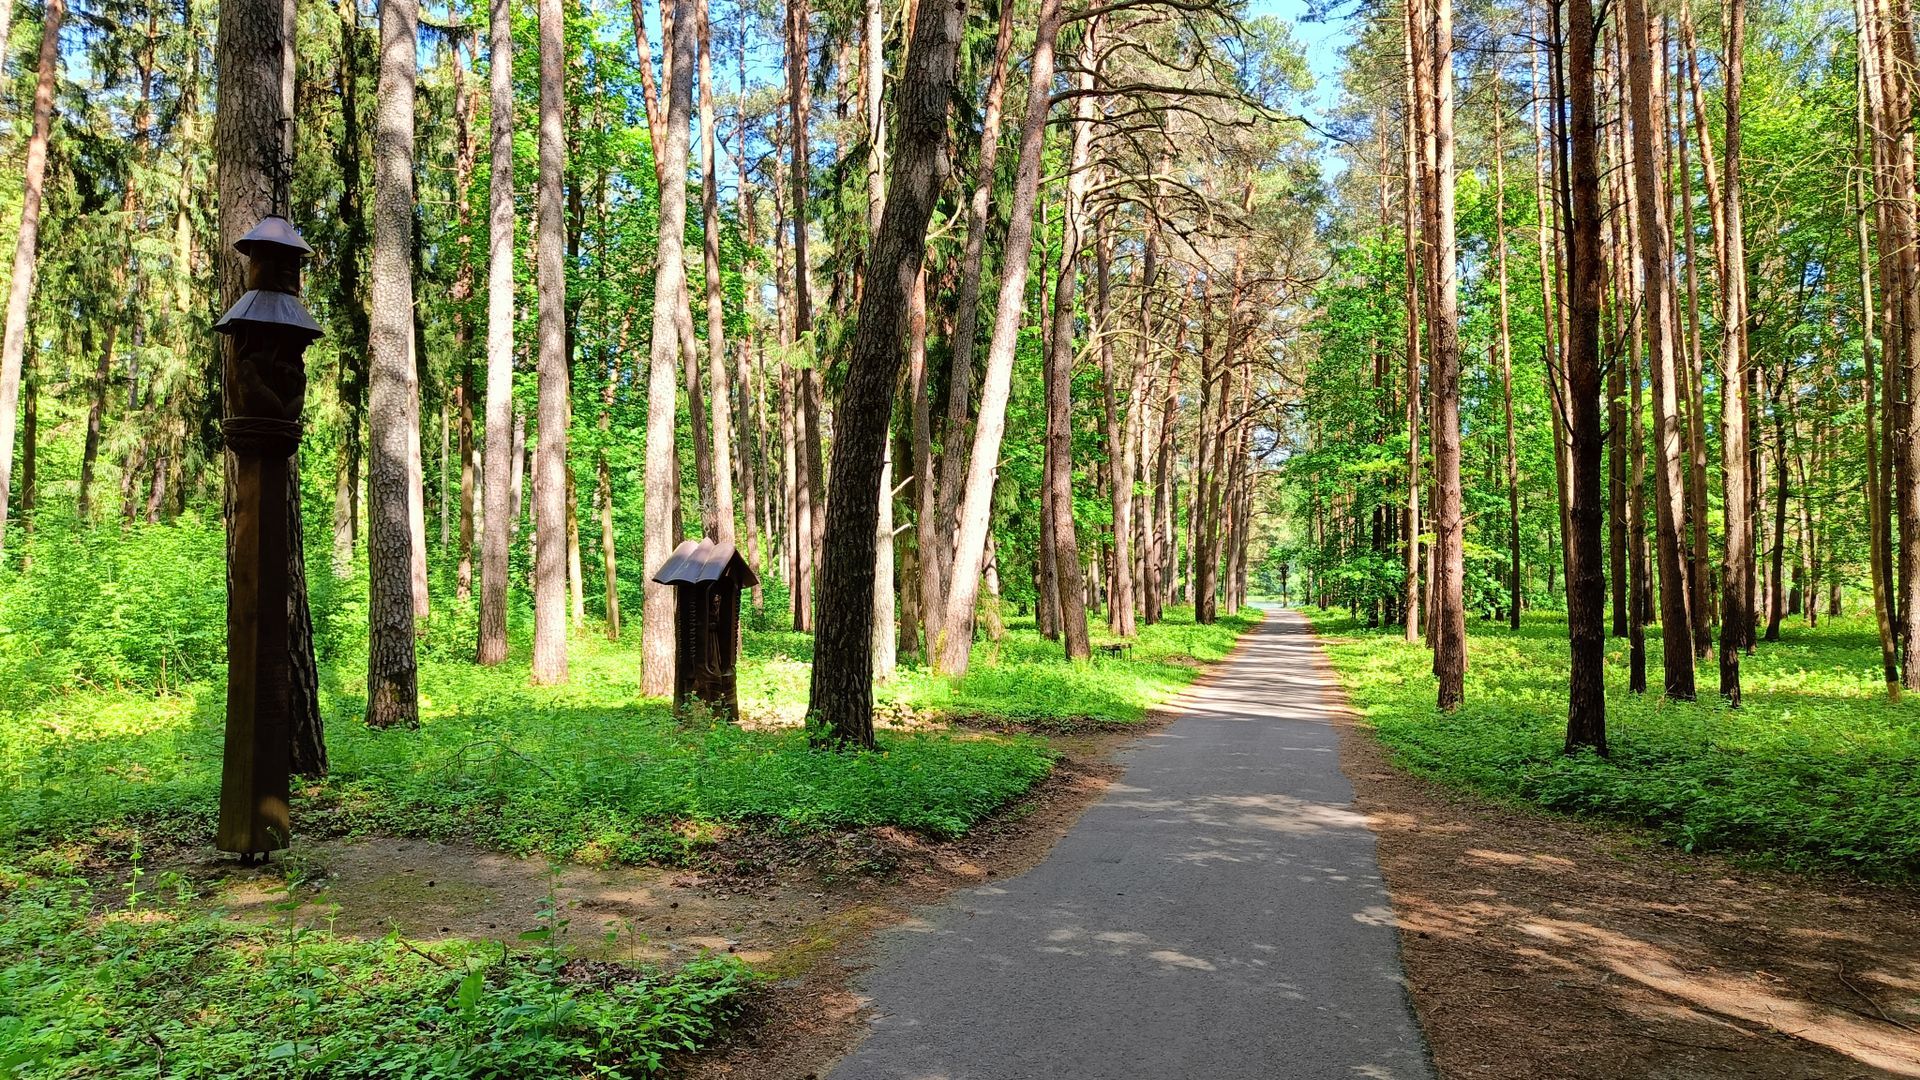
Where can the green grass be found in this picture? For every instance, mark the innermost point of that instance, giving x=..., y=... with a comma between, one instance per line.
x=1815, y=770
x=165, y=990
x=590, y=770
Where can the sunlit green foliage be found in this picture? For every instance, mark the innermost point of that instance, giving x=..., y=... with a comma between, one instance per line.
x=157, y=987
x=1816, y=769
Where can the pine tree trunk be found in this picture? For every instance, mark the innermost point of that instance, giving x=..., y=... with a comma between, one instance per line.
x=720, y=398
x=663, y=463
x=1450, y=630
x=1647, y=89
x=936, y=558
x=501, y=503
x=952, y=651
x=1736, y=620
x=1414, y=254
x=354, y=328
x=463, y=572
x=603, y=492
x=1699, y=569
x=1880, y=540
x=928, y=591
x=1580, y=200
x=840, y=704
x=1506, y=358
x=26, y=247
x=392, y=697
x=1120, y=448
x=1776, y=600
x=1059, y=381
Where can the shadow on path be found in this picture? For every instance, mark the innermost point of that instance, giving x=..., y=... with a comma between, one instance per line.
x=1219, y=914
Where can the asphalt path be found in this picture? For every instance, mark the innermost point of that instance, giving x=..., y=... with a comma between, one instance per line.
x=1217, y=915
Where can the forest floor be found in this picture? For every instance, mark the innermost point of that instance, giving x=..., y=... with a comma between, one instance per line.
x=1538, y=944
x=535, y=882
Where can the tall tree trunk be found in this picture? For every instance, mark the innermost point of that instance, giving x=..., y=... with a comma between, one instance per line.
x=466, y=157
x=720, y=399
x=840, y=704
x=392, y=697
x=463, y=572
x=953, y=650
x=354, y=326
x=1648, y=93
x=1736, y=620
x=500, y=504
x=1415, y=257
x=1891, y=97
x=936, y=558
x=29, y=452
x=1450, y=631
x=1586, y=600
x=26, y=247
x=885, y=630
x=555, y=544
x=663, y=464
x=1059, y=381
x=609, y=550
x=1880, y=540
x=927, y=592
x=1699, y=573
x=1121, y=443
x=1506, y=357
x=1776, y=600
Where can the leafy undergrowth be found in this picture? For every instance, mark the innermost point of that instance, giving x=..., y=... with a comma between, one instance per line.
x=1816, y=769
x=160, y=989
x=1020, y=679
x=590, y=770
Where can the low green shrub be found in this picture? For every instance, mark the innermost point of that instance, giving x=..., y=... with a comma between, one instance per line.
x=1815, y=769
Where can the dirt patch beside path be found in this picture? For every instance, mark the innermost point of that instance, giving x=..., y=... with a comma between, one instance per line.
x=1538, y=946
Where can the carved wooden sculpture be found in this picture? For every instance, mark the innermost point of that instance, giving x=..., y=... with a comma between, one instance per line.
x=265, y=390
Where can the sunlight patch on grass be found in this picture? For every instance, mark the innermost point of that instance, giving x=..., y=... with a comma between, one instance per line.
x=1816, y=768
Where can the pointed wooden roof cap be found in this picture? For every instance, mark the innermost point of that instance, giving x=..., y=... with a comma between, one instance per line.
x=697, y=562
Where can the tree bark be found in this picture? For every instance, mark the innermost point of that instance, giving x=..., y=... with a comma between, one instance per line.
x=720, y=398
x=1880, y=541
x=1506, y=357
x=1450, y=631
x=952, y=651
x=1121, y=443
x=1580, y=200
x=1736, y=620
x=663, y=464
x=1059, y=372
x=1414, y=255
x=840, y=705
x=392, y=696
x=1647, y=90
x=1699, y=574
x=26, y=247
x=936, y=558
x=554, y=545
x=500, y=504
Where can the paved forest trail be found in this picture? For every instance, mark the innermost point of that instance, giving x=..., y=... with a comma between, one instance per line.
x=1218, y=915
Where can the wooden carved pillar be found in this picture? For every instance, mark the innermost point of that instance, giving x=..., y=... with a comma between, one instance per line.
x=265, y=388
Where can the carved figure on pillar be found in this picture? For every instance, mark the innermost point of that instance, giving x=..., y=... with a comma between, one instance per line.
x=265, y=389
